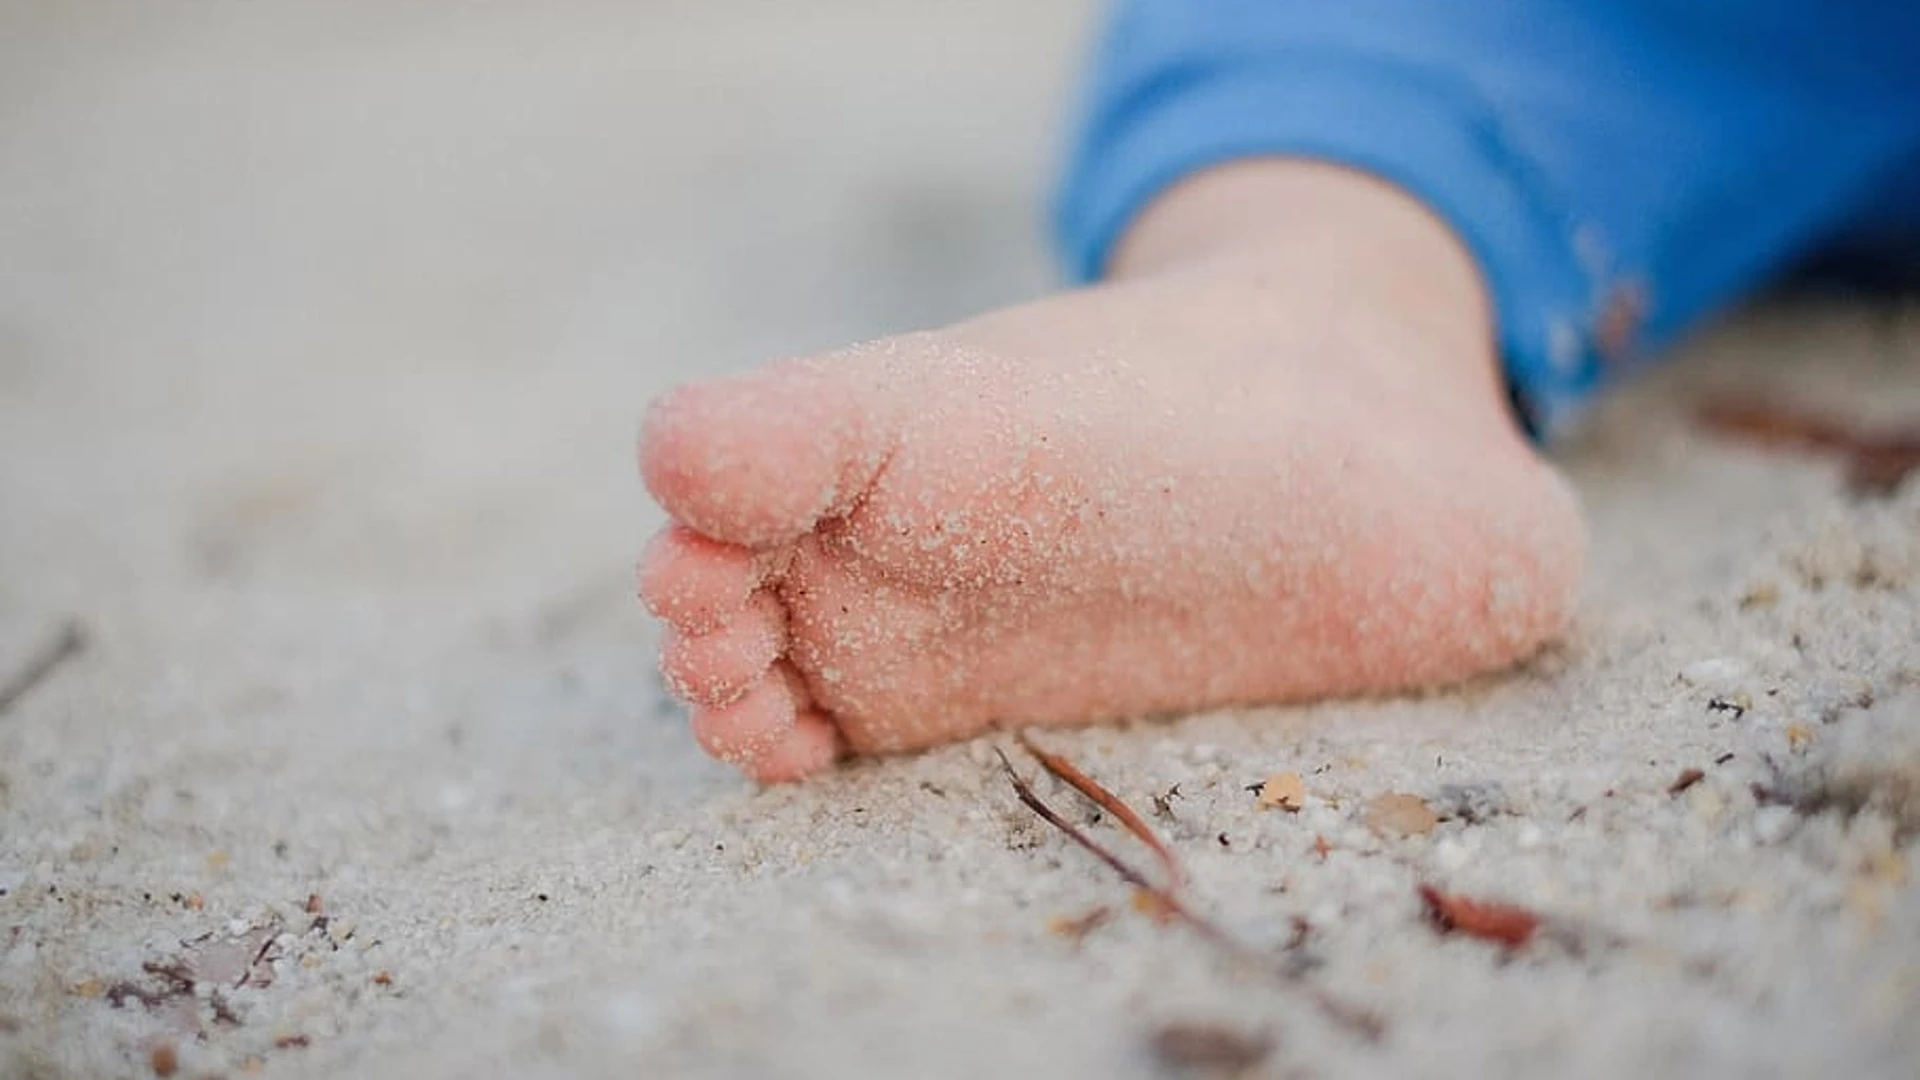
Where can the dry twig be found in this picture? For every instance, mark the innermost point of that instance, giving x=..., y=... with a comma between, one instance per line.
x=1504, y=924
x=1065, y=771
x=1876, y=462
x=1163, y=901
x=1687, y=778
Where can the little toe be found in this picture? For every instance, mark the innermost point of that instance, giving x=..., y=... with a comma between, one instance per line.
x=758, y=459
x=812, y=746
x=741, y=731
x=695, y=583
x=718, y=668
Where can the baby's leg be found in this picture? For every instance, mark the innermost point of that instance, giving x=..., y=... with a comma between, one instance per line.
x=1270, y=454
x=1272, y=460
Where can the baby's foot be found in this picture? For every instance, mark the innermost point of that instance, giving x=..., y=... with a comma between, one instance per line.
x=1278, y=472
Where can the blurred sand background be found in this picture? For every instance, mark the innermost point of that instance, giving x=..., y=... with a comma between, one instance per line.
x=324, y=333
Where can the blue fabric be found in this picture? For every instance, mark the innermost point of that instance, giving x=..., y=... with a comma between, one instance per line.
x=1622, y=169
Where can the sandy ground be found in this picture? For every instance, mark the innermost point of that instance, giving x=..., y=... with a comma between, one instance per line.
x=324, y=331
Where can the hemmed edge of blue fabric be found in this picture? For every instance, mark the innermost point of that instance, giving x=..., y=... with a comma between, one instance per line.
x=1420, y=130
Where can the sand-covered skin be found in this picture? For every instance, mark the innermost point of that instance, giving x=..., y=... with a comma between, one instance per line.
x=329, y=445
x=1274, y=473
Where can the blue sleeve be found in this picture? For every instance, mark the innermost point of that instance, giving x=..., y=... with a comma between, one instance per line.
x=1621, y=169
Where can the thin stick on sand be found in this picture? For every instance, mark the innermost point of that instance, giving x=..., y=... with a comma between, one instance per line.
x=1165, y=900
x=1877, y=461
x=1065, y=771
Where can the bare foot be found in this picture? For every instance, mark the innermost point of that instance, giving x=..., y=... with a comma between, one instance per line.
x=1263, y=464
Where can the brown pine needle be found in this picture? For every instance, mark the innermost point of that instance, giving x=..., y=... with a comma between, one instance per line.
x=1164, y=901
x=1025, y=792
x=1068, y=773
x=1877, y=461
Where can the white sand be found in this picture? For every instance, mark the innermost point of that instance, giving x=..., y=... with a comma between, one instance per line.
x=324, y=331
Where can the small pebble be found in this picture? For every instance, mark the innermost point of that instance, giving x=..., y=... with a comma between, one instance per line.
x=1772, y=824
x=1285, y=791
x=1706, y=803
x=1717, y=673
x=1399, y=814
x=1450, y=854
x=1471, y=803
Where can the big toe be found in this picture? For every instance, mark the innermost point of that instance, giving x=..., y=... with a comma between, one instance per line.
x=758, y=459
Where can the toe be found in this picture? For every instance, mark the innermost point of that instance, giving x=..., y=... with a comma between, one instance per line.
x=718, y=668
x=810, y=747
x=739, y=732
x=758, y=459
x=696, y=584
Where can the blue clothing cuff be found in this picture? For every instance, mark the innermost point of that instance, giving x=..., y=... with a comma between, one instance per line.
x=1420, y=129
